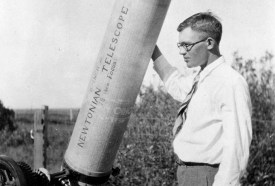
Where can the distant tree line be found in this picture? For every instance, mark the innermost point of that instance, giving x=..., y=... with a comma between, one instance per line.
x=6, y=118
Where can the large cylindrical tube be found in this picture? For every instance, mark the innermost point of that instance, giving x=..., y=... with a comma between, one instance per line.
x=119, y=69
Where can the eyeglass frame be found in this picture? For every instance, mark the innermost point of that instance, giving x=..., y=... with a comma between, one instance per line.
x=186, y=45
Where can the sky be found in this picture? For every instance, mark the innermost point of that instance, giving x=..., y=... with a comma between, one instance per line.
x=48, y=47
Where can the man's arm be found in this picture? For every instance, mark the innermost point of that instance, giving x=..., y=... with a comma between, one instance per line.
x=237, y=133
x=175, y=83
x=161, y=65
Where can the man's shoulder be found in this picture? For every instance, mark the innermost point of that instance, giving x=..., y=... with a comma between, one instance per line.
x=228, y=75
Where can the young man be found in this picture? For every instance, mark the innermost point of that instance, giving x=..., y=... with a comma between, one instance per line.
x=213, y=129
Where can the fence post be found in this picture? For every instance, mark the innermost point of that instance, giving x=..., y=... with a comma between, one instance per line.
x=40, y=138
x=71, y=115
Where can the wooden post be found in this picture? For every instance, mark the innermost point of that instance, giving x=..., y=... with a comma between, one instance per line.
x=40, y=138
x=71, y=115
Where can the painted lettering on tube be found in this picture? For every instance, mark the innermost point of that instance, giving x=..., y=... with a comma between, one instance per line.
x=114, y=41
x=87, y=122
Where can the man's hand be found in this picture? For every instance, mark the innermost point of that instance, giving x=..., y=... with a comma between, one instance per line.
x=156, y=53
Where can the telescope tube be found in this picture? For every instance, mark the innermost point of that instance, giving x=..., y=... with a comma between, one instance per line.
x=119, y=70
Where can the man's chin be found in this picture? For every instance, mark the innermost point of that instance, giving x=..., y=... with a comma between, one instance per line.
x=189, y=65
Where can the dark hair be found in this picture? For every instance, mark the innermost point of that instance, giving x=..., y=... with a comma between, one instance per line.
x=204, y=22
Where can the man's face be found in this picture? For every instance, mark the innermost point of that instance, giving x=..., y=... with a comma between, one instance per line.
x=197, y=54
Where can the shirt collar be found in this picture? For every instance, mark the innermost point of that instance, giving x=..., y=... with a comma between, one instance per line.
x=209, y=68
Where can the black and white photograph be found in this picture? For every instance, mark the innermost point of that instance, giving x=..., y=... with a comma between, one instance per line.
x=137, y=93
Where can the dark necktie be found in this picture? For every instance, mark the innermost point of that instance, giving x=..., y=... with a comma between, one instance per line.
x=181, y=116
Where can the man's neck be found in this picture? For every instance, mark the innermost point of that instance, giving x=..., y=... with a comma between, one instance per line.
x=211, y=58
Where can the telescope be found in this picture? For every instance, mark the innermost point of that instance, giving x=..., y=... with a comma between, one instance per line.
x=118, y=72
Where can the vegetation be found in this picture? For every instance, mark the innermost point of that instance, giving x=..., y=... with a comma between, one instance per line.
x=6, y=118
x=261, y=80
x=145, y=156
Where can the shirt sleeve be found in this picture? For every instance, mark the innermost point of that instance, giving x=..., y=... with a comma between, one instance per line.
x=235, y=110
x=175, y=83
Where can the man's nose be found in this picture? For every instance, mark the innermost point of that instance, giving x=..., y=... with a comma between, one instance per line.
x=182, y=51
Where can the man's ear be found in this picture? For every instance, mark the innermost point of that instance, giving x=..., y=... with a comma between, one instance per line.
x=210, y=43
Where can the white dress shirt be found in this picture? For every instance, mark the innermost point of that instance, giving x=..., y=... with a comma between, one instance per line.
x=218, y=124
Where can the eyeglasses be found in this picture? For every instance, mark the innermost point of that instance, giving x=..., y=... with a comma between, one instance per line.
x=189, y=46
